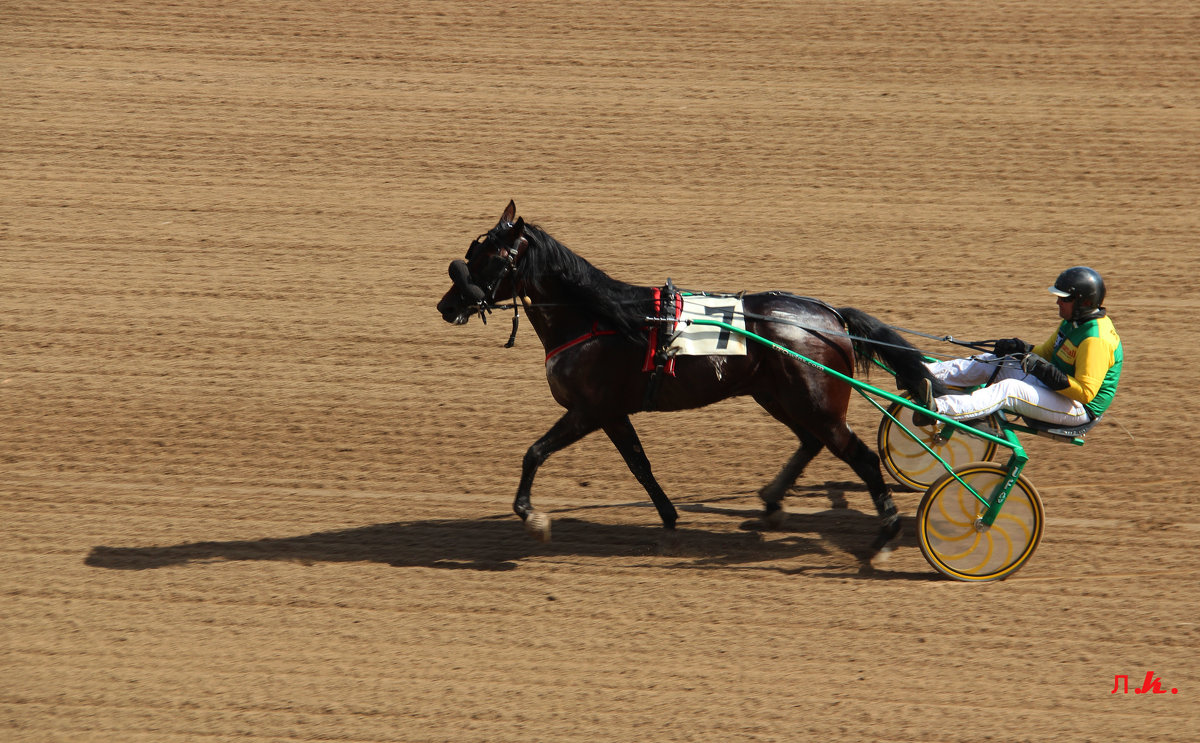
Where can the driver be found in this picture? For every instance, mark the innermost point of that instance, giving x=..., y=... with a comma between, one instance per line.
x=1068, y=380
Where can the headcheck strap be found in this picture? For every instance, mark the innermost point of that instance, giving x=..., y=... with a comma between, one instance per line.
x=512, y=255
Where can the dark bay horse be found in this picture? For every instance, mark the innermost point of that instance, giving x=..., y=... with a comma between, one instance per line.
x=594, y=329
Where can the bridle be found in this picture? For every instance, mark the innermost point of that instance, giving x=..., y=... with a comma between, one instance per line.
x=483, y=298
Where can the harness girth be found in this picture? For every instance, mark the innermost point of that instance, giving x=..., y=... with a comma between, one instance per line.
x=660, y=357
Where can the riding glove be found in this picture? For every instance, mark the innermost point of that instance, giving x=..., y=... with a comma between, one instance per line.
x=1049, y=374
x=1012, y=347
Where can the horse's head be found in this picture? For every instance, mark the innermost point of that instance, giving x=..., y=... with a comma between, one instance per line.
x=485, y=277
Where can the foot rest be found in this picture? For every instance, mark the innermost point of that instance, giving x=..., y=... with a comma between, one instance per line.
x=1053, y=429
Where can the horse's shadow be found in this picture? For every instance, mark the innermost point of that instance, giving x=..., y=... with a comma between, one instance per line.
x=498, y=543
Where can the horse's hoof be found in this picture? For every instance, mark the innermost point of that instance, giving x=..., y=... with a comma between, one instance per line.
x=772, y=518
x=775, y=519
x=884, y=544
x=880, y=558
x=537, y=525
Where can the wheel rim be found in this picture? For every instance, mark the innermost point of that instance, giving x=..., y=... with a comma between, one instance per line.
x=909, y=463
x=947, y=519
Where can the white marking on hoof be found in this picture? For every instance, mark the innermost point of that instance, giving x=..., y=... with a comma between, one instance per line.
x=882, y=556
x=537, y=525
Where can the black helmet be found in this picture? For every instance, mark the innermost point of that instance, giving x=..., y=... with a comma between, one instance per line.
x=1083, y=286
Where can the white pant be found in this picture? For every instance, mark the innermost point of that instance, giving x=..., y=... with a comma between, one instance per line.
x=1013, y=390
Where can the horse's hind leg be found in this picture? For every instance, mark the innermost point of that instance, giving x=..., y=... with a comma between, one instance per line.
x=850, y=449
x=845, y=445
x=566, y=431
x=623, y=435
x=772, y=493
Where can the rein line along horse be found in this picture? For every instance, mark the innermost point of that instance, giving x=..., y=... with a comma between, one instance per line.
x=596, y=332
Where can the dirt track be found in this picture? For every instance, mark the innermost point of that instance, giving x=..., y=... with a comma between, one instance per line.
x=254, y=488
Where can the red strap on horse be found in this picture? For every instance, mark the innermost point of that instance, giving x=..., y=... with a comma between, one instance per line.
x=652, y=346
x=595, y=331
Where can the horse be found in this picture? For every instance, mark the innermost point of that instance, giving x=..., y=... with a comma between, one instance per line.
x=597, y=333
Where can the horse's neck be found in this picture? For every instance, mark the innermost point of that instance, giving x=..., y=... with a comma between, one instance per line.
x=556, y=319
x=560, y=313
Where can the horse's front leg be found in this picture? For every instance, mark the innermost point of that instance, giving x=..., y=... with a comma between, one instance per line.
x=625, y=438
x=570, y=428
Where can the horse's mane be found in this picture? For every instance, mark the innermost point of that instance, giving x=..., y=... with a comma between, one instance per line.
x=547, y=262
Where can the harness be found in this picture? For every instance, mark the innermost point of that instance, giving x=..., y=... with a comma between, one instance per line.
x=667, y=309
x=660, y=356
x=485, y=296
x=595, y=331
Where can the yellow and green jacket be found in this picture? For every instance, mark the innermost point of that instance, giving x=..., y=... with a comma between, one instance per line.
x=1090, y=354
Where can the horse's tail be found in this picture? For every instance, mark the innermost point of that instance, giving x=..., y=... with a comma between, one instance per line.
x=875, y=340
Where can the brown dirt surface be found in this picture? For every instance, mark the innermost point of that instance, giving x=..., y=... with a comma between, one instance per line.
x=254, y=488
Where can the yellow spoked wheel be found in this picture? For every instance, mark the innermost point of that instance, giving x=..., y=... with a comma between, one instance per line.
x=911, y=465
x=955, y=542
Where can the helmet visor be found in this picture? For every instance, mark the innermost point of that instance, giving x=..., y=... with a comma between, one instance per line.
x=1059, y=292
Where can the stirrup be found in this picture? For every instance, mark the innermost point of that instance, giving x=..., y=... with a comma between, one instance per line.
x=920, y=417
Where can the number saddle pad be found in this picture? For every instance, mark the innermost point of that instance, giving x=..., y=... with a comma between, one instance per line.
x=710, y=340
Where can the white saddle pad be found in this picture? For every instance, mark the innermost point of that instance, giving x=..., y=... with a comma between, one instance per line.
x=709, y=340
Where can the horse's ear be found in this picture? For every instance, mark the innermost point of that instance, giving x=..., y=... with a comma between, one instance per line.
x=510, y=213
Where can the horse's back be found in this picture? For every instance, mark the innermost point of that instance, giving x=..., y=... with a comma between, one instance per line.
x=806, y=325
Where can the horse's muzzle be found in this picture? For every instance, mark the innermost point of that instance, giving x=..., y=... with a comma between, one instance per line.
x=454, y=310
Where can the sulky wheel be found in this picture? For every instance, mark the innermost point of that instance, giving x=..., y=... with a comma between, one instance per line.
x=911, y=465
x=958, y=545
